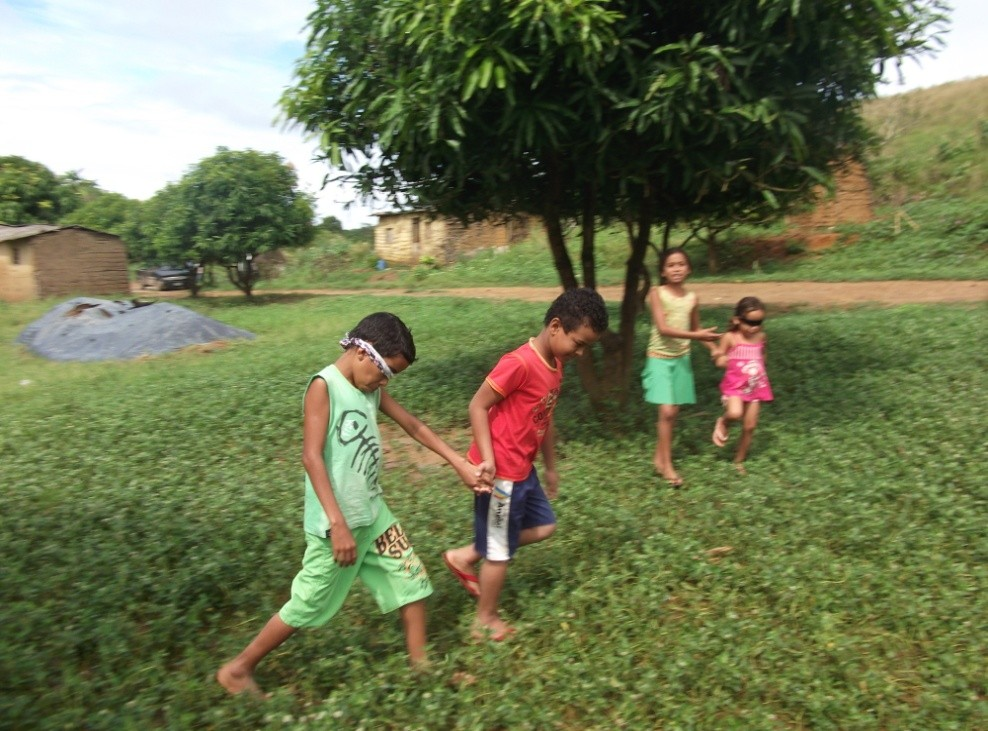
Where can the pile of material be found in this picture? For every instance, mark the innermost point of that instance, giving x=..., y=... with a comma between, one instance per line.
x=93, y=329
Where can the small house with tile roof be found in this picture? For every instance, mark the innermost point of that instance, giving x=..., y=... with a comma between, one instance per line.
x=41, y=260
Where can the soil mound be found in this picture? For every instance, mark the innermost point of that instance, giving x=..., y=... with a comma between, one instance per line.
x=93, y=329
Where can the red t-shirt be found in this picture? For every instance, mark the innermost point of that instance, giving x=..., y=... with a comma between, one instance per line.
x=530, y=387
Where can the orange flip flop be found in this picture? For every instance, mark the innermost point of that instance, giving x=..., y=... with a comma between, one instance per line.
x=468, y=581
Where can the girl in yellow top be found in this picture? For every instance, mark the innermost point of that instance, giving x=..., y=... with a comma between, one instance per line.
x=668, y=376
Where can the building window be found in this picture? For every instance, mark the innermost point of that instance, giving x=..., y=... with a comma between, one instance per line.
x=416, y=230
x=15, y=256
x=389, y=236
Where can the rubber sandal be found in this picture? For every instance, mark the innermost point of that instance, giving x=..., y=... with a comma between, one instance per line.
x=469, y=582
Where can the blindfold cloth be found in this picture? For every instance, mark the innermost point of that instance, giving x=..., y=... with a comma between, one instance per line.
x=348, y=341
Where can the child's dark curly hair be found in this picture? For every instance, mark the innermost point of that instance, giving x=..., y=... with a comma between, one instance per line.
x=388, y=334
x=576, y=307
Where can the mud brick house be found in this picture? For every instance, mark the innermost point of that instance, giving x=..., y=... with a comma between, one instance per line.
x=409, y=237
x=46, y=261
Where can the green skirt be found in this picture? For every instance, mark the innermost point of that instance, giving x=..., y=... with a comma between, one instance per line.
x=669, y=381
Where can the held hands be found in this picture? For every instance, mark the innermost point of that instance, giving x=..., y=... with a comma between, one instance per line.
x=707, y=334
x=479, y=478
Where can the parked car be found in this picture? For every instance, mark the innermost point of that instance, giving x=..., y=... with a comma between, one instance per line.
x=165, y=276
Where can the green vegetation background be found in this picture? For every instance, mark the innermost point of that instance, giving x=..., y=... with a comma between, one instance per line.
x=152, y=523
x=929, y=176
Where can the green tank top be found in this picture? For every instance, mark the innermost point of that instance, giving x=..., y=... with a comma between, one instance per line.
x=352, y=453
x=677, y=311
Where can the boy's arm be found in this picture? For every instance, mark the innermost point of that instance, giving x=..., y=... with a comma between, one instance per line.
x=705, y=334
x=480, y=424
x=315, y=426
x=473, y=477
x=549, y=462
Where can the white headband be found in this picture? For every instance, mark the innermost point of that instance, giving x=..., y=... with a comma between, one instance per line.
x=347, y=341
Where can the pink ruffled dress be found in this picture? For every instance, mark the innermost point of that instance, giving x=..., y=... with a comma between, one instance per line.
x=745, y=373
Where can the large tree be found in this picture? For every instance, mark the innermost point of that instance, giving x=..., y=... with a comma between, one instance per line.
x=228, y=209
x=29, y=192
x=643, y=111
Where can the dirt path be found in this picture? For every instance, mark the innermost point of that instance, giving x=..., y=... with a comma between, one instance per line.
x=710, y=293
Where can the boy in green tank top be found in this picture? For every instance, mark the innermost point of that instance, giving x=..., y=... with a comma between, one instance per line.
x=349, y=531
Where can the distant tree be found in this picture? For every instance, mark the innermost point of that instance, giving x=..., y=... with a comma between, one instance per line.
x=228, y=209
x=75, y=191
x=110, y=212
x=649, y=112
x=331, y=224
x=29, y=192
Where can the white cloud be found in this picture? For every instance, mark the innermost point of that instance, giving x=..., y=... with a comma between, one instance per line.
x=131, y=94
x=962, y=57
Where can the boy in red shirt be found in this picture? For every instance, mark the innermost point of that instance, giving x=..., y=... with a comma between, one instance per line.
x=511, y=418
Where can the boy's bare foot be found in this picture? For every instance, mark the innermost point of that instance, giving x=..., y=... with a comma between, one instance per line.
x=720, y=432
x=495, y=631
x=739, y=466
x=236, y=682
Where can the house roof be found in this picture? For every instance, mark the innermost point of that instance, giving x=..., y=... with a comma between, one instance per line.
x=9, y=233
x=12, y=233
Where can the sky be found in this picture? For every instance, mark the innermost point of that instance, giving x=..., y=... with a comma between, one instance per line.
x=133, y=93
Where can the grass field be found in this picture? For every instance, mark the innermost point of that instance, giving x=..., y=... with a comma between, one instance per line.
x=152, y=522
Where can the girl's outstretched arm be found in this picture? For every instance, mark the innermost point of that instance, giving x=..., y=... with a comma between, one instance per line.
x=708, y=342
x=696, y=332
x=719, y=352
x=476, y=477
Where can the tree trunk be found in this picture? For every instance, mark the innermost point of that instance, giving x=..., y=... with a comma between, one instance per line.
x=551, y=219
x=587, y=260
x=243, y=275
x=713, y=265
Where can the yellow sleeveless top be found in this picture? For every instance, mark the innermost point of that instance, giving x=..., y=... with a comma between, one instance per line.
x=677, y=311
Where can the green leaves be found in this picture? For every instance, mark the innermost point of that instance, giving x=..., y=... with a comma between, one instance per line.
x=230, y=205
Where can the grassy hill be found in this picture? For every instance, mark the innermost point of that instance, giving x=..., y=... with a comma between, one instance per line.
x=928, y=171
x=933, y=143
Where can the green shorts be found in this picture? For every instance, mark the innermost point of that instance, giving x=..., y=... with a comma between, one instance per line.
x=669, y=381
x=386, y=563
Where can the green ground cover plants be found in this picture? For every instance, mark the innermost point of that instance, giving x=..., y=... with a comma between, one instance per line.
x=152, y=523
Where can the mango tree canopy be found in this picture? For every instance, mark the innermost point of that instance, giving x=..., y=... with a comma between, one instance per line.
x=94, y=329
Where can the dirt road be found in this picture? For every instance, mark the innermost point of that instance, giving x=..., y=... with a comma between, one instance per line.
x=710, y=293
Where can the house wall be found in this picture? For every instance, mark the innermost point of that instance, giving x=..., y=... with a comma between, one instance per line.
x=64, y=262
x=406, y=238
x=78, y=261
x=17, y=280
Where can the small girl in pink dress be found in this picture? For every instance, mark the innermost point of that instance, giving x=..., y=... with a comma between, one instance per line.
x=741, y=352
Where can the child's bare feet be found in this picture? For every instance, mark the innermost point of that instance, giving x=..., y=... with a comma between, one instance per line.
x=668, y=474
x=237, y=681
x=720, y=432
x=496, y=630
x=739, y=466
